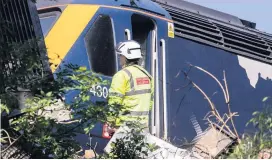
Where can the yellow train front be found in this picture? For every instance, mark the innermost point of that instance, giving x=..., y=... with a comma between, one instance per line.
x=174, y=35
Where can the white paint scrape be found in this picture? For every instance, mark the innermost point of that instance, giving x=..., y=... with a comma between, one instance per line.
x=254, y=68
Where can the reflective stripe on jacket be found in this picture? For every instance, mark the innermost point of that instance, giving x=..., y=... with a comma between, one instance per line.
x=132, y=88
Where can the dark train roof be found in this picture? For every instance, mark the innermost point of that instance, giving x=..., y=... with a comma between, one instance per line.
x=157, y=6
x=200, y=24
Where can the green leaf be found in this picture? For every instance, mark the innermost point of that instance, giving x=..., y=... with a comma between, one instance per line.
x=86, y=130
x=49, y=94
x=82, y=69
x=85, y=98
x=2, y=140
x=251, y=121
x=255, y=113
x=4, y=108
x=247, y=123
x=262, y=146
x=265, y=99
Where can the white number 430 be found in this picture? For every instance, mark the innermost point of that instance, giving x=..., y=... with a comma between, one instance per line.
x=99, y=91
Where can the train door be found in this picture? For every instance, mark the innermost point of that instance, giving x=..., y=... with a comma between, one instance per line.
x=151, y=34
x=143, y=30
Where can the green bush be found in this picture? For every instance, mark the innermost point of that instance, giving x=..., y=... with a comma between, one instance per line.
x=131, y=146
x=252, y=144
x=45, y=136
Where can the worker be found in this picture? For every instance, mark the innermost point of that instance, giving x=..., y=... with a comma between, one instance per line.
x=131, y=87
x=132, y=90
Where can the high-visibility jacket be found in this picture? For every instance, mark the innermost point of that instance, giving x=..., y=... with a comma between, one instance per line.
x=132, y=88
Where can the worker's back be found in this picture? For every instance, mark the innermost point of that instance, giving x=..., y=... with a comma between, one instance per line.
x=141, y=95
x=132, y=88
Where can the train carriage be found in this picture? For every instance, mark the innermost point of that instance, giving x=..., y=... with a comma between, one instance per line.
x=175, y=35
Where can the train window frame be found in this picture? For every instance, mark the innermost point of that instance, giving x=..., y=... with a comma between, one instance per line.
x=88, y=39
x=47, y=14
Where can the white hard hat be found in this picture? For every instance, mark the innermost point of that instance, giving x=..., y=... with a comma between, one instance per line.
x=130, y=49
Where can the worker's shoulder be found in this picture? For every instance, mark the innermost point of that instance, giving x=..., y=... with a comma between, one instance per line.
x=135, y=68
x=142, y=70
x=122, y=74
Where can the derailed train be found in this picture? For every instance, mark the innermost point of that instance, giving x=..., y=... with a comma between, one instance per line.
x=175, y=35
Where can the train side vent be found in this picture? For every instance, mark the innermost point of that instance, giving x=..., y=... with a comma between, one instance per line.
x=268, y=39
x=253, y=45
x=194, y=27
x=225, y=36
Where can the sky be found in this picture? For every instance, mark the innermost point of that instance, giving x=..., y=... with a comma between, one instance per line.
x=257, y=11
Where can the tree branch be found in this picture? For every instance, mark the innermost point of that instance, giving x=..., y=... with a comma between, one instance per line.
x=231, y=119
x=214, y=110
x=221, y=86
x=7, y=135
x=12, y=143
